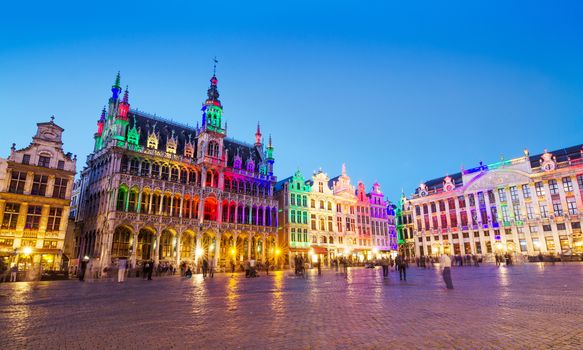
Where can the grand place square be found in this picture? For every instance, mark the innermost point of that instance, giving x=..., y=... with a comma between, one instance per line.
x=291, y=176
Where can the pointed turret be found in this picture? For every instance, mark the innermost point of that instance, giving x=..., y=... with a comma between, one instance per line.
x=258, y=142
x=212, y=108
x=124, y=106
x=116, y=88
x=269, y=157
x=101, y=122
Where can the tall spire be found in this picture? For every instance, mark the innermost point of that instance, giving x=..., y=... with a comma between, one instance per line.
x=116, y=88
x=212, y=108
x=124, y=106
x=125, y=95
x=258, y=142
x=343, y=169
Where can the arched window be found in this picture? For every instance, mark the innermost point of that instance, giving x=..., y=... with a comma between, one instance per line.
x=155, y=170
x=133, y=200
x=122, y=194
x=213, y=149
x=134, y=166
x=174, y=174
x=210, y=209
x=145, y=202
x=165, y=172
x=120, y=246
x=329, y=206
x=145, y=168
x=155, y=204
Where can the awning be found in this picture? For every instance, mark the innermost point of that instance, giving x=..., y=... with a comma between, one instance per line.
x=320, y=250
x=299, y=250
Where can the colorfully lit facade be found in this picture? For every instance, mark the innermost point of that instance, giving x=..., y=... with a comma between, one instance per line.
x=404, y=218
x=325, y=218
x=524, y=206
x=155, y=189
x=35, y=191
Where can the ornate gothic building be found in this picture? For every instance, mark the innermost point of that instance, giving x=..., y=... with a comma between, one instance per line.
x=155, y=189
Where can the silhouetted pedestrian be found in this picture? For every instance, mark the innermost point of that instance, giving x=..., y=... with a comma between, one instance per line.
x=446, y=265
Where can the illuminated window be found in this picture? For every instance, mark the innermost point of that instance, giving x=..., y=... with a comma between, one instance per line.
x=502, y=195
x=10, y=215
x=553, y=187
x=526, y=191
x=152, y=141
x=39, y=185
x=54, y=222
x=33, y=217
x=44, y=161
x=567, y=184
x=539, y=189
x=17, y=182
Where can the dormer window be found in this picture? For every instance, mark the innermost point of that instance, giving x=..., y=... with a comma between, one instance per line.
x=171, y=147
x=250, y=166
x=188, y=150
x=152, y=141
x=44, y=161
x=237, y=162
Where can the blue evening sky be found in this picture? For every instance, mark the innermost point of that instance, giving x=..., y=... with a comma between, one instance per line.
x=399, y=91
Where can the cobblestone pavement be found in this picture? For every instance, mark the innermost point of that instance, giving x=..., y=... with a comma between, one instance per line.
x=524, y=306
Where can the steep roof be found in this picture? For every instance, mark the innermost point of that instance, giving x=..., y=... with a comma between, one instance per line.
x=146, y=122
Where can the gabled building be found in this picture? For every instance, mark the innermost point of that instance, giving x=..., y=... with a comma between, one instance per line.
x=325, y=219
x=35, y=192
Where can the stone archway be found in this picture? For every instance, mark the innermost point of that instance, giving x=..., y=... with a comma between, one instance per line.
x=146, y=243
x=121, y=242
x=167, y=249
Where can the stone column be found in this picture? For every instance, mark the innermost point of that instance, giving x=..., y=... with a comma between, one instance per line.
x=139, y=204
x=151, y=195
x=198, y=248
x=250, y=237
x=157, y=249
x=217, y=257
x=171, y=205
x=178, y=245
x=133, y=257
x=263, y=248
x=181, y=205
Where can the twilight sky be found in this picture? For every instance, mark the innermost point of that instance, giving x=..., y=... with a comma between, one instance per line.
x=401, y=92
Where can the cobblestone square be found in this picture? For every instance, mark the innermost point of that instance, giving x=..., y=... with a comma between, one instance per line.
x=524, y=306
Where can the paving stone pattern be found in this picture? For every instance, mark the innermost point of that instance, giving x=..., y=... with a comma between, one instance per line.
x=519, y=307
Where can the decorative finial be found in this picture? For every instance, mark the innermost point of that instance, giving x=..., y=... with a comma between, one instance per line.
x=125, y=95
x=270, y=145
x=117, y=79
x=52, y=118
x=343, y=169
x=13, y=147
x=215, y=61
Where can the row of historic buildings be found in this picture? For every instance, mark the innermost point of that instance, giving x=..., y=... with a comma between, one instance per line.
x=528, y=205
x=324, y=219
x=161, y=191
